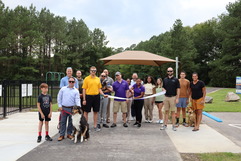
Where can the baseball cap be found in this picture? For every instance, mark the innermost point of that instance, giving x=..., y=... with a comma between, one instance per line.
x=117, y=73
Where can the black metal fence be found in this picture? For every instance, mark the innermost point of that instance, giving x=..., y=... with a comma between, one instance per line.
x=18, y=95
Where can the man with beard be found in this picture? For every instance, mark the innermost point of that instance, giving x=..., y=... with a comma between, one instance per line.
x=172, y=86
x=80, y=83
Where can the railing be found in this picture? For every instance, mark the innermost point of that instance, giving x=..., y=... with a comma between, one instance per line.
x=19, y=95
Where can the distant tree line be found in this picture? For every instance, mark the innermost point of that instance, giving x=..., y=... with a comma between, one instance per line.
x=212, y=49
x=34, y=42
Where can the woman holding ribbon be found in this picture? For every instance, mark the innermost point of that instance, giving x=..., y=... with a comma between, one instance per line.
x=159, y=99
x=149, y=85
x=139, y=91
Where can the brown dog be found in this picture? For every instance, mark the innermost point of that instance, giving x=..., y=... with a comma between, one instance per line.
x=191, y=117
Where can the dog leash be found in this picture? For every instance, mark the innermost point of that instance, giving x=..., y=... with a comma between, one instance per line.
x=63, y=111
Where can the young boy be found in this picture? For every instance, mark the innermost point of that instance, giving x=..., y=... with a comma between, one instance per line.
x=44, y=105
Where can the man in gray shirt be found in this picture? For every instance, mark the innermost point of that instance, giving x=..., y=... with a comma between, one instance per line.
x=111, y=81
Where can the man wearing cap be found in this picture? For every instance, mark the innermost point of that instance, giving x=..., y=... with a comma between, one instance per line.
x=120, y=87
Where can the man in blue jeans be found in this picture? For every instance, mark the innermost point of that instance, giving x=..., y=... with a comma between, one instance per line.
x=68, y=97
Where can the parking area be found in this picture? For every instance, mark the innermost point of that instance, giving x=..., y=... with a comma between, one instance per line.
x=230, y=127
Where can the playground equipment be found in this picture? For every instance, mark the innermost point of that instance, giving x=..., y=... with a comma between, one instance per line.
x=54, y=76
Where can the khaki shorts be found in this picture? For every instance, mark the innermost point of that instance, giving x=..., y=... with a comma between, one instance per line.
x=118, y=104
x=197, y=105
x=170, y=103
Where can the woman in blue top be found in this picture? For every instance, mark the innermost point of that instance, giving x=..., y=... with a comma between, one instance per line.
x=139, y=90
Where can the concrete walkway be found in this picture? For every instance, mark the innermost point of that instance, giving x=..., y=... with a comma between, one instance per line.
x=18, y=134
x=206, y=140
x=230, y=127
x=118, y=144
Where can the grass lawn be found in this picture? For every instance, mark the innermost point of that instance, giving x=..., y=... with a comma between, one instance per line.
x=211, y=156
x=54, y=108
x=220, y=157
x=219, y=104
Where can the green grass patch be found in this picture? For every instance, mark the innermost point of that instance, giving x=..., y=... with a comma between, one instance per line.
x=54, y=108
x=219, y=157
x=219, y=104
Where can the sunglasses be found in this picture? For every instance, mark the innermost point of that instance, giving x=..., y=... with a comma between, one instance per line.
x=93, y=70
x=116, y=75
x=103, y=76
x=71, y=81
x=170, y=71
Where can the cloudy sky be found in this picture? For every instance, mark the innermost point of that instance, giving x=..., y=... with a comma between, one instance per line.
x=127, y=22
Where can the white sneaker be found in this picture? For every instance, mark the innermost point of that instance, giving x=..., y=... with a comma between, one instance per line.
x=174, y=128
x=146, y=121
x=163, y=127
x=158, y=121
x=150, y=121
x=133, y=119
x=161, y=121
x=97, y=129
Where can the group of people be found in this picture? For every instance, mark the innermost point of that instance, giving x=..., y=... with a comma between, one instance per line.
x=94, y=93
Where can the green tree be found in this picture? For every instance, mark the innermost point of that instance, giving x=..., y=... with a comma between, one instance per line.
x=78, y=38
x=98, y=49
x=208, y=47
x=183, y=47
x=59, y=41
x=228, y=65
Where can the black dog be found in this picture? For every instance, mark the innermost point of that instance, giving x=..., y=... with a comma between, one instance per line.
x=81, y=127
